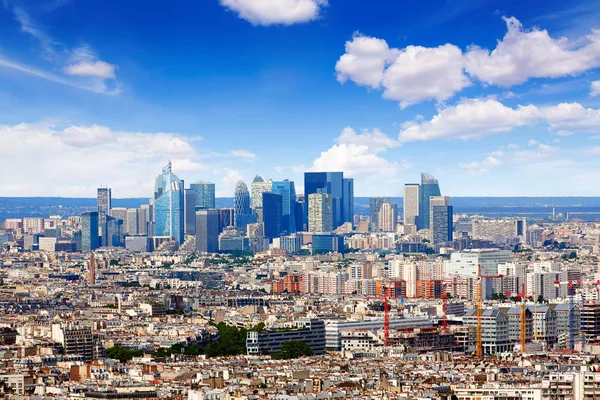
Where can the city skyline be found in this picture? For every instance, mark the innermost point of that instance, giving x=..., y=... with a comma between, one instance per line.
x=242, y=91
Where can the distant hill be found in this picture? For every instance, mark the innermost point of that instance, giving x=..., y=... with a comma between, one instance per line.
x=15, y=207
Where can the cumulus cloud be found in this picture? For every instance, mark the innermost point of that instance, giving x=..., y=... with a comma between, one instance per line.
x=273, y=12
x=595, y=89
x=244, y=155
x=541, y=151
x=75, y=160
x=97, y=69
x=476, y=118
x=414, y=74
x=481, y=166
x=375, y=140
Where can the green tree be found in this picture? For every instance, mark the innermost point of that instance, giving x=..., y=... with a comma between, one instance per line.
x=293, y=349
x=122, y=354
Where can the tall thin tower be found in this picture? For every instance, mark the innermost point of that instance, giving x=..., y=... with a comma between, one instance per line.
x=92, y=270
x=104, y=201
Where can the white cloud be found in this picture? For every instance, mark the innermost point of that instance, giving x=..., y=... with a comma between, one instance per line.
x=476, y=118
x=75, y=160
x=532, y=142
x=414, y=74
x=375, y=140
x=542, y=151
x=355, y=161
x=410, y=75
x=97, y=69
x=228, y=181
x=524, y=54
x=272, y=12
x=595, y=89
x=481, y=166
x=244, y=155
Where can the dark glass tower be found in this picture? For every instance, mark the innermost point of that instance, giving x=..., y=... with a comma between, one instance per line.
x=89, y=231
x=272, y=214
x=104, y=201
x=331, y=183
x=288, y=191
x=429, y=188
x=207, y=231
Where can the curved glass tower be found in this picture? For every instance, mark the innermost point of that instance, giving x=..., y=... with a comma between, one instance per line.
x=429, y=188
x=241, y=205
x=169, y=205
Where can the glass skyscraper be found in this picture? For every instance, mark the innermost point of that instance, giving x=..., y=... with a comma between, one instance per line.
x=429, y=188
x=104, y=201
x=204, y=193
x=331, y=183
x=169, y=205
x=441, y=220
x=287, y=190
x=241, y=206
x=272, y=214
x=89, y=231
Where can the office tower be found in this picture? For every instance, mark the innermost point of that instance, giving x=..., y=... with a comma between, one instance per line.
x=320, y=216
x=348, y=200
x=151, y=225
x=388, y=217
x=287, y=190
x=299, y=214
x=89, y=231
x=92, y=270
x=272, y=214
x=114, y=233
x=189, y=205
x=241, y=206
x=375, y=204
x=429, y=188
x=204, y=193
x=132, y=221
x=225, y=218
x=411, y=203
x=441, y=219
x=104, y=201
x=258, y=187
x=142, y=215
x=207, y=231
x=331, y=183
x=119, y=213
x=168, y=205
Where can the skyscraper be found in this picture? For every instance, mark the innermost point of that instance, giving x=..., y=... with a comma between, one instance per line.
x=411, y=203
x=207, y=231
x=388, y=217
x=272, y=214
x=429, y=188
x=169, y=205
x=143, y=219
x=190, y=211
x=241, y=206
x=225, y=218
x=104, y=201
x=286, y=189
x=348, y=200
x=375, y=204
x=132, y=222
x=258, y=187
x=331, y=183
x=320, y=216
x=440, y=219
x=204, y=194
x=89, y=231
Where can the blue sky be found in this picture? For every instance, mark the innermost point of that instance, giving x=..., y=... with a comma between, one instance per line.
x=494, y=98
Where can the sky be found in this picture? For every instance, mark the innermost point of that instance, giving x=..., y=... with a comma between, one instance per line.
x=492, y=97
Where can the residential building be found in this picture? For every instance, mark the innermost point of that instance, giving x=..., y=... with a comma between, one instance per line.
x=309, y=331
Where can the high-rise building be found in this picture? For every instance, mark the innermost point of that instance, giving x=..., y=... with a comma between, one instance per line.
x=207, y=231
x=169, y=211
x=114, y=233
x=132, y=222
x=89, y=231
x=142, y=220
x=121, y=214
x=331, y=183
x=287, y=190
x=348, y=200
x=441, y=219
x=411, y=203
x=225, y=218
x=190, y=211
x=375, y=204
x=258, y=187
x=104, y=201
x=241, y=206
x=272, y=214
x=320, y=215
x=299, y=214
x=204, y=194
x=429, y=188
x=388, y=217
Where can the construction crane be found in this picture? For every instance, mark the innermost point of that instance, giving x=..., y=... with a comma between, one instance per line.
x=479, y=310
x=523, y=320
x=571, y=294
